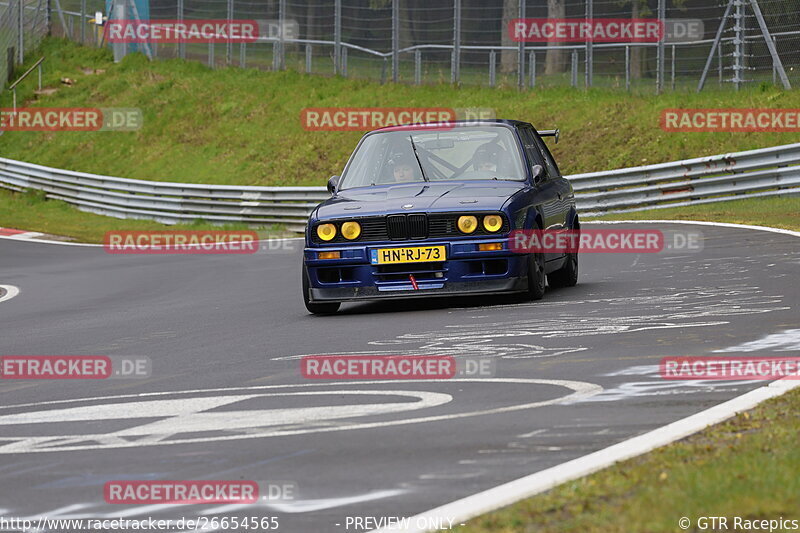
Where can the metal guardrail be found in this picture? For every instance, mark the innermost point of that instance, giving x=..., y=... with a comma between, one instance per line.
x=764, y=172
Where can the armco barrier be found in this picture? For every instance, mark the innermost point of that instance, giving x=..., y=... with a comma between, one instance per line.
x=764, y=172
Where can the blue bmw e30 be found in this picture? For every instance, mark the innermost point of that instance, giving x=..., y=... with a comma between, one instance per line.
x=427, y=210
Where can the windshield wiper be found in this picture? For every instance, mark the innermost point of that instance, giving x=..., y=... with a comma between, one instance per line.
x=416, y=155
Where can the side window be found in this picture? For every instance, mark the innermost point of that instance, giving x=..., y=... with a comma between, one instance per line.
x=549, y=162
x=531, y=149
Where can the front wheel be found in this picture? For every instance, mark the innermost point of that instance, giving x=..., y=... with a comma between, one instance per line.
x=317, y=308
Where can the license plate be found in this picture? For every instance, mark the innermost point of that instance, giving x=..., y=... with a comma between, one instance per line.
x=417, y=254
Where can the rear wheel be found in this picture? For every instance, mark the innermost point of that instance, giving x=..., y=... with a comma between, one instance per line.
x=317, y=308
x=567, y=275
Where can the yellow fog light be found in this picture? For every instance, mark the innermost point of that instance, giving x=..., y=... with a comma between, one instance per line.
x=328, y=255
x=467, y=224
x=326, y=232
x=488, y=247
x=351, y=230
x=492, y=223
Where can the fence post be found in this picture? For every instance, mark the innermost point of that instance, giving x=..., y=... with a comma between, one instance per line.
x=673, y=67
x=492, y=67
x=774, y=65
x=574, y=80
x=243, y=55
x=589, y=66
x=455, y=74
x=344, y=61
x=181, y=44
x=662, y=15
x=83, y=21
x=308, y=58
x=418, y=66
x=532, y=67
x=520, y=51
x=627, y=67
x=738, y=45
x=395, y=39
x=719, y=61
x=281, y=36
x=21, y=32
x=229, y=44
x=337, y=34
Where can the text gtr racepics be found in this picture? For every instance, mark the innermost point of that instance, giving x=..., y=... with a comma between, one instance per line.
x=427, y=210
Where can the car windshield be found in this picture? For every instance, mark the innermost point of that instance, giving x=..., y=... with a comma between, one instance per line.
x=468, y=153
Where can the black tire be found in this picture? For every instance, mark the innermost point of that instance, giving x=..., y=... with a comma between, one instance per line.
x=536, y=276
x=317, y=308
x=567, y=275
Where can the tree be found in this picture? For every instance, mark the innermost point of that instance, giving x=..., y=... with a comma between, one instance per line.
x=556, y=58
x=508, y=58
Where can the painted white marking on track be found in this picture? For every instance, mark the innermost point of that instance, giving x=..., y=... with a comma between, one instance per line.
x=9, y=291
x=295, y=421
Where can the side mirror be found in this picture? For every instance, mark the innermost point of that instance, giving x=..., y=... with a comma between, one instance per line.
x=538, y=173
x=332, y=183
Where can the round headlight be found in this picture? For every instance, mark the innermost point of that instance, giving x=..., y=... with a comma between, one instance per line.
x=467, y=224
x=351, y=230
x=492, y=223
x=326, y=232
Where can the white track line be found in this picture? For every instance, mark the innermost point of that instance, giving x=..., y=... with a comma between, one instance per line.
x=525, y=487
x=10, y=292
x=489, y=500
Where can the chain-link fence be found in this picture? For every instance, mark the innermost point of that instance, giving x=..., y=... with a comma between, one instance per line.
x=23, y=23
x=471, y=42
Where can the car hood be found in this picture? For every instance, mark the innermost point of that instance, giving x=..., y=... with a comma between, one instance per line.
x=445, y=196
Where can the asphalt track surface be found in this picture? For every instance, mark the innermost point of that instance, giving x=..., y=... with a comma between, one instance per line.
x=227, y=400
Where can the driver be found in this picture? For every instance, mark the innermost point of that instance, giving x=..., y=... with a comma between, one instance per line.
x=486, y=157
x=405, y=169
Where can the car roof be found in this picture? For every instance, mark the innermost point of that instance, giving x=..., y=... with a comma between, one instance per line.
x=449, y=124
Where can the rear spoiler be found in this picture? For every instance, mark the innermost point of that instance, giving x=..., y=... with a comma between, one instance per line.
x=550, y=133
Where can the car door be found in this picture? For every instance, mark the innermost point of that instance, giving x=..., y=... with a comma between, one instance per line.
x=561, y=185
x=547, y=193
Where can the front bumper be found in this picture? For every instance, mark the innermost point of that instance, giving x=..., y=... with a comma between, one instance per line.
x=465, y=271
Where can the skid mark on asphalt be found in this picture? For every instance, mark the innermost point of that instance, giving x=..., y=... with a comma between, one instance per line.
x=654, y=385
x=652, y=309
x=784, y=341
